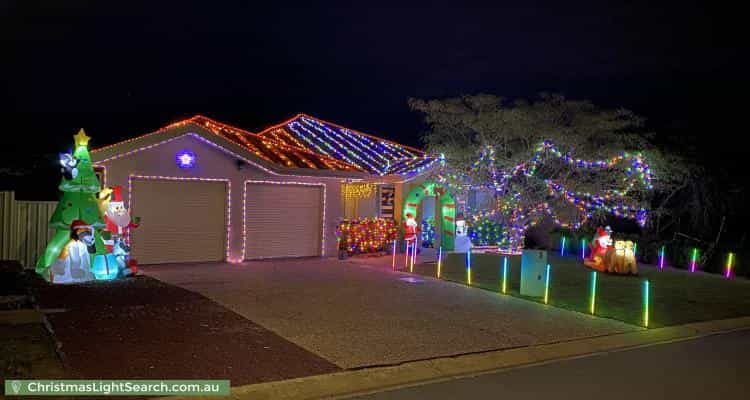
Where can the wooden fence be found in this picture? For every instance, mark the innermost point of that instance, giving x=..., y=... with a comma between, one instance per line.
x=24, y=228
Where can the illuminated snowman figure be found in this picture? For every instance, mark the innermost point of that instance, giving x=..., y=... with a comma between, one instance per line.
x=462, y=243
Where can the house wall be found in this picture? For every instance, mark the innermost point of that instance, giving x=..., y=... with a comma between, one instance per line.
x=214, y=163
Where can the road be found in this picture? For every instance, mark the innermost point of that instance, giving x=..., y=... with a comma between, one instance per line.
x=712, y=367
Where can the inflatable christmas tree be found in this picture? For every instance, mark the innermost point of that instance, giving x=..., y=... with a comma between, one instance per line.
x=76, y=209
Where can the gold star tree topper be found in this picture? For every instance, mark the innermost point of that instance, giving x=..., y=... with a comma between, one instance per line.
x=81, y=139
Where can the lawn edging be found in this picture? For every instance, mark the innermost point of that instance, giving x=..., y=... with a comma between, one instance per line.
x=370, y=380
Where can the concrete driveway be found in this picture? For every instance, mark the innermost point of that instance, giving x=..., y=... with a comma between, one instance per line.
x=362, y=314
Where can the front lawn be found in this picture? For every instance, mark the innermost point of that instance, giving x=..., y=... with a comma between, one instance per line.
x=676, y=296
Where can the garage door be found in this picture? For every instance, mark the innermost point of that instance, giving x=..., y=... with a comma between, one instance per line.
x=283, y=220
x=182, y=221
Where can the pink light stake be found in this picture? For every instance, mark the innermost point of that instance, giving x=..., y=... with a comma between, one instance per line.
x=730, y=264
x=661, y=258
x=393, y=260
x=693, y=259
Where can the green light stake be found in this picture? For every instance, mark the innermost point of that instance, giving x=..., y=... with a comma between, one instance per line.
x=646, y=289
x=592, y=299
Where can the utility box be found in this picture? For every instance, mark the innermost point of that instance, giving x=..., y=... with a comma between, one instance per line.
x=533, y=267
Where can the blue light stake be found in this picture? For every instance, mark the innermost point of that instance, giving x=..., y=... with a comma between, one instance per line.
x=562, y=246
x=505, y=274
x=583, y=249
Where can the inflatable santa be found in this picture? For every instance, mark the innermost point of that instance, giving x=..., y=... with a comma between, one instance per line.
x=117, y=218
x=74, y=262
x=599, y=246
x=411, y=229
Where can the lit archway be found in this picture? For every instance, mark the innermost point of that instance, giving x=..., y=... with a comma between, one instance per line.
x=447, y=207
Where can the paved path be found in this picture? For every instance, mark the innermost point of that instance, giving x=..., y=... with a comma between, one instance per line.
x=712, y=367
x=356, y=316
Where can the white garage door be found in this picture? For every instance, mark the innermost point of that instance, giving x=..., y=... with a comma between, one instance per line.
x=283, y=220
x=181, y=221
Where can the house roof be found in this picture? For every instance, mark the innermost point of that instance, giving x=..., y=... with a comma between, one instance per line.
x=370, y=153
x=302, y=142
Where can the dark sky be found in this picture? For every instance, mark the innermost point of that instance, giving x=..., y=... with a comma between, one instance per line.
x=119, y=69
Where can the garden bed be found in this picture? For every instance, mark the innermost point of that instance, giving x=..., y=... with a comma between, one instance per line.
x=676, y=296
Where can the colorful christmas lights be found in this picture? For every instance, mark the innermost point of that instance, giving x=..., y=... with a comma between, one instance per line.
x=366, y=152
x=367, y=235
x=428, y=232
x=355, y=191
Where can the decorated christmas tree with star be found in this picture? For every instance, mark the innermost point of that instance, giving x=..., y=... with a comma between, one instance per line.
x=78, y=188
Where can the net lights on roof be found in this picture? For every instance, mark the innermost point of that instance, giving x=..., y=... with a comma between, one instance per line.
x=376, y=156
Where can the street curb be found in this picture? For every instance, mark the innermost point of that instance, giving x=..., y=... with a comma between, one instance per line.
x=376, y=379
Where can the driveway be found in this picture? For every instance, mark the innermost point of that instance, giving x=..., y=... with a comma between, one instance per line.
x=362, y=314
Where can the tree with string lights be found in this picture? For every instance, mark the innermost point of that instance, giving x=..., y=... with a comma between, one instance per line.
x=553, y=158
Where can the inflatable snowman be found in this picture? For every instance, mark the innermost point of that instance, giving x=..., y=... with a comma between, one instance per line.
x=462, y=243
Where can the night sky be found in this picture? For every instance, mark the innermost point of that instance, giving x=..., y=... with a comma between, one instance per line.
x=118, y=69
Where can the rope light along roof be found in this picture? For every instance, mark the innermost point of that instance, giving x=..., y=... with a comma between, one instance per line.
x=268, y=149
x=370, y=153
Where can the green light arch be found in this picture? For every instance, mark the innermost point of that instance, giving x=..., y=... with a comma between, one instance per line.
x=447, y=205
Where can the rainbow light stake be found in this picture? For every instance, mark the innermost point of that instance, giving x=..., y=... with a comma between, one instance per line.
x=592, y=299
x=505, y=274
x=413, y=255
x=693, y=259
x=468, y=266
x=646, y=289
x=393, y=260
x=583, y=249
x=661, y=258
x=440, y=260
x=562, y=246
x=635, y=251
x=730, y=264
x=406, y=256
x=546, y=285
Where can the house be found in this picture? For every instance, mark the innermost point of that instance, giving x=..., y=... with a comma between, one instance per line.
x=207, y=191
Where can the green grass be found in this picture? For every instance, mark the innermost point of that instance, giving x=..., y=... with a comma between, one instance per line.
x=676, y=296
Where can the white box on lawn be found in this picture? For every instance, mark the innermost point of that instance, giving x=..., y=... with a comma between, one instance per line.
x=533, y=266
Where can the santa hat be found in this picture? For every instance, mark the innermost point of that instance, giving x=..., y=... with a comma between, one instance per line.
x=79, y=224
x=409, y=215
x=601, y=232
x=116, y=195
